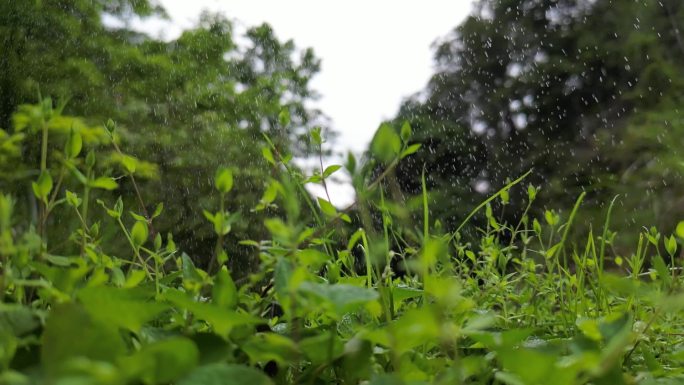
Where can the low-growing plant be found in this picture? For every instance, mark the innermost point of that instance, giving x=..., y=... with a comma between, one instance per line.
x=349, y=296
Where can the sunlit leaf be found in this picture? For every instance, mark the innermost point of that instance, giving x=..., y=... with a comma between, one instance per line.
x=386, y=144
x=224, y=180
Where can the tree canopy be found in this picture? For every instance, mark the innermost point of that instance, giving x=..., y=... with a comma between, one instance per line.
x=182, y=107
x=588, y=94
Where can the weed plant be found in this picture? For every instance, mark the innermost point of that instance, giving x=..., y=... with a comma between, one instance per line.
x=390, y=301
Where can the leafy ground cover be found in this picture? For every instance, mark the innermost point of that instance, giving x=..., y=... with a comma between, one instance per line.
x=391, y=301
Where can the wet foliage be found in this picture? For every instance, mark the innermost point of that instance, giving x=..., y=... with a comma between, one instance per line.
x=157, y=227
x=384, y=300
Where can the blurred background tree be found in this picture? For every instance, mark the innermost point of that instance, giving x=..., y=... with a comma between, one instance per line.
x=589, y=94
x=185, y=106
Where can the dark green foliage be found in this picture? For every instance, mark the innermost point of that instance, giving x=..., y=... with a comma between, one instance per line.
x=186, y=106
x=97, y=216
x=522, y=305
x=586, y=93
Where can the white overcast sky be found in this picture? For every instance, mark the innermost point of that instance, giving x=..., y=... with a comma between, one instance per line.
x=374, y=52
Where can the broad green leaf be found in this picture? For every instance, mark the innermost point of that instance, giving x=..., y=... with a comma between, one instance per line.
x=330, y=170
x=73, y=145
x=536, y=366
x=415, y=327
x=158, y=210
x=671, y=245
x=90, y=159
x=104, y=182
x=135, y=277
x=312, y=258
x=327, y=208
x=316, y=135
x=320, y=349
x=125, y=308
x=191, y=276
x=138, y=217
x=264, y=347
x=43, y=186
x=225, y=374
x=18, y=320
x=71, y=332
x=222, y=320
x=386, y=144
x=340, y=298
x=590, y=329
x=410, y=150
x=284, y=117
x=225, y=292
x=406, y=131
x=139, y=233
x=680, y=229
x=129, y=163
x=268, y=155
x=663, y=271
x=162, y=362
x=224, y=180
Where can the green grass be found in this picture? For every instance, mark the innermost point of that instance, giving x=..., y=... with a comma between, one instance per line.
x=531, y=302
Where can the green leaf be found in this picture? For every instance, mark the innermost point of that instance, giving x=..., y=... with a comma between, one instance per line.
x=318, y=348
x=157, y=242
x=530, y=365
x=224, y=180
x=137, y=217
x=139, y=233
x=405, y=132
x=73, y=145
x=104, y=182
x=330, y=170
x=190, y=273
x=135, y=277
x=316, y=135
x=162, y=362
x=327, y=208
x=222, y=320
x=551, y=217
x=43, y=186
x=123, y=308
x=412, y=149
x=284, y=117
x=90, y=159
x=351, y=163
x=553, y=249
x=268, y=155
x=505, y=197
x=663, y=271
x=225, y=374
x=264, y=347
x=671, y=245
x=386, y=143
x=341, y=298
x=225, y=292
x=312, y=258
x=158, y=210
x=680, y=229
x=129, y=163
x=112, y=213
x=73, y=199
x=70, y=332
